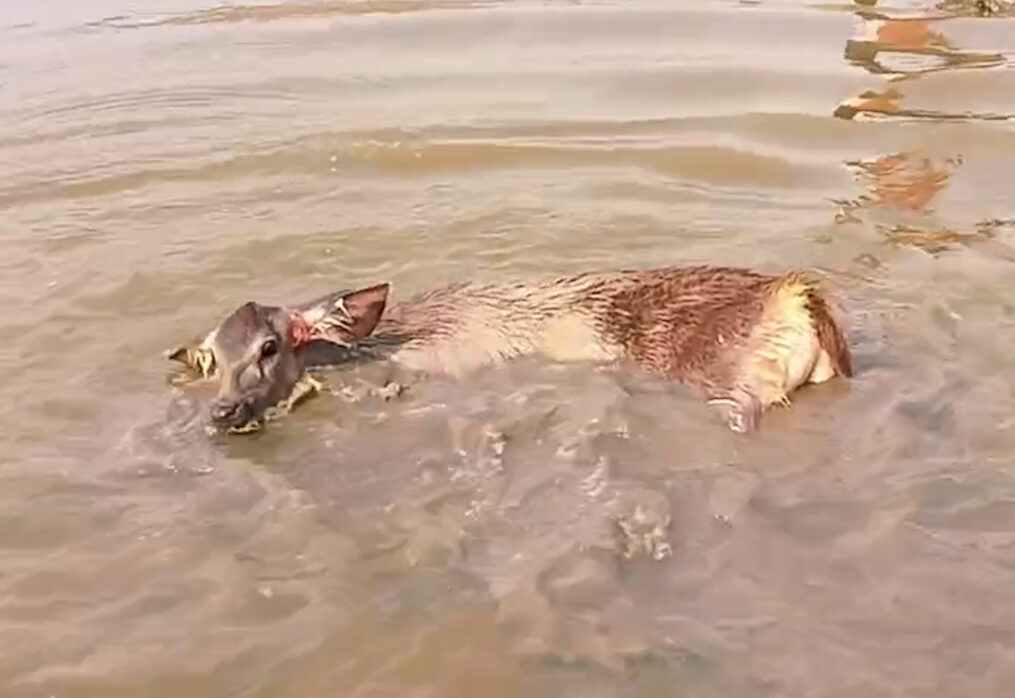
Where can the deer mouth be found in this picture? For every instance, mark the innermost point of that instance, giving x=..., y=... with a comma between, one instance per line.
x=244, y=421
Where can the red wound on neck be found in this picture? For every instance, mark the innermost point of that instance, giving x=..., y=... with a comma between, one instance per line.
x=299, y=330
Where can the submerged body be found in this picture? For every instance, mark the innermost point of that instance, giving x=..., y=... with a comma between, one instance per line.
x=746, y=339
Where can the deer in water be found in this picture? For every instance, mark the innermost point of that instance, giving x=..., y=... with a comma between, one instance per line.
x=744, y=338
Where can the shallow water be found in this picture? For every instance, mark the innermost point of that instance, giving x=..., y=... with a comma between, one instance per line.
x=163, y=160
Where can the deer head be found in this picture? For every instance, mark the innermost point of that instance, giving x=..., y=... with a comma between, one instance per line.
x=258, y=353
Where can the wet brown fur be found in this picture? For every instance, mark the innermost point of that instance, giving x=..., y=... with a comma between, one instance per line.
x=746, y=338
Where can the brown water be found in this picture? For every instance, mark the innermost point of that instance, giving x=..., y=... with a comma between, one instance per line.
x=163, y=160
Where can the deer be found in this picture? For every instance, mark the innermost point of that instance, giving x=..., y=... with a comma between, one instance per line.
x=745, y=339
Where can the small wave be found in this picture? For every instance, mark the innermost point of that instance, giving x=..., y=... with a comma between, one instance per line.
x=283, y=11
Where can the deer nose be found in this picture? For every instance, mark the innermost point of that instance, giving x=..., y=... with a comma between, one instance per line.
x=225, y=410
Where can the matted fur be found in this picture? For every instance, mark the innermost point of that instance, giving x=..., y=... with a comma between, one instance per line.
x=738, y=334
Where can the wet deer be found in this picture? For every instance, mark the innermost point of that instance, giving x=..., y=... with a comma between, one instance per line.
x=746, y=339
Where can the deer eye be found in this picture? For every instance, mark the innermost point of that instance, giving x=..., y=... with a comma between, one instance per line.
x=269, y=349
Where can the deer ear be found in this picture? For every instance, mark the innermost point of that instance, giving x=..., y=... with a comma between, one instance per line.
x=198, y=359
x=344, y=317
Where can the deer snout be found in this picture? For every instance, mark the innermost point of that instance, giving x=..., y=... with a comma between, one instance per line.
x=229, y=412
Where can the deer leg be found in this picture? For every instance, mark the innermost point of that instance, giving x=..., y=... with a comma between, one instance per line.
x=740, y=410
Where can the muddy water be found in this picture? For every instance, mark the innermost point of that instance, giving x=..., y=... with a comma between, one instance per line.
x=534, y=530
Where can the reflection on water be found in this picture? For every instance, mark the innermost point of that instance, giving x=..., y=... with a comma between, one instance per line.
x=534, y=530
x=909, y=182
x=905, y=181
x=915, y=38
x=905, y=48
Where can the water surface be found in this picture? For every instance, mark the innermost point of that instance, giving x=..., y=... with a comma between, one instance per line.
x=163, y=160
